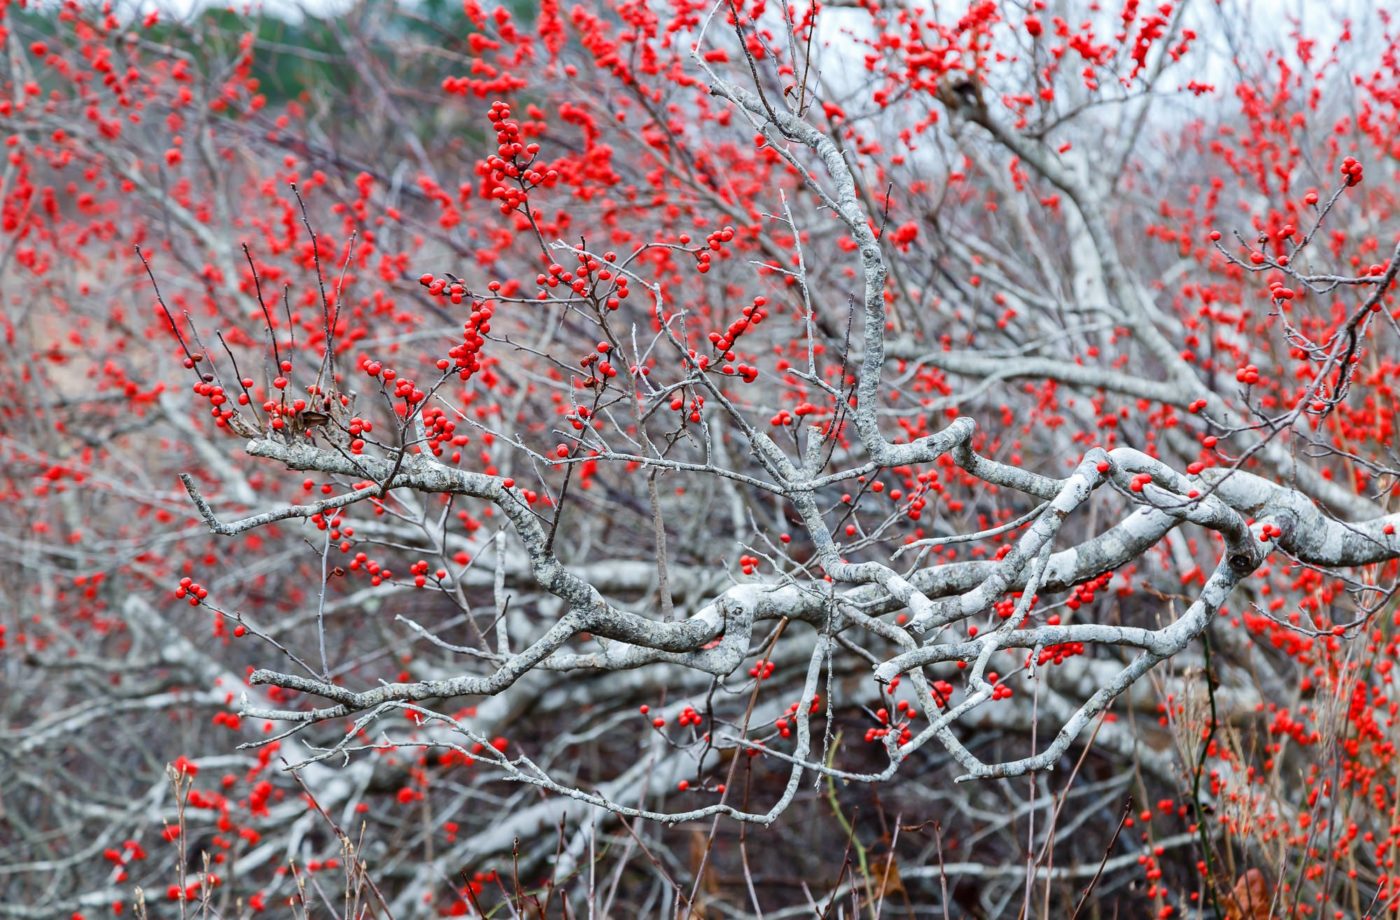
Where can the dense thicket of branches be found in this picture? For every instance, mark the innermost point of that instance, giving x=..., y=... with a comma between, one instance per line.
x=741, y=459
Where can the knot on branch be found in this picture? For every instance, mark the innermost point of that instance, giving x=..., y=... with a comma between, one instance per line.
x=1243, y=563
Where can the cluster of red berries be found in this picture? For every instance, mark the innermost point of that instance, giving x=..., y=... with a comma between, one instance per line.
x=514, y=160
x=602, y=368
x=130, y=852
x=1005, y=607
x=578, y=418
x=191, y=891
x=191, y=589
x=334, y=522
x=454, y=291
x=262, y=793
x=804, y=409
x=902, y=728
x=1280, y=292
x=465, y=357
x=906, y=709
x=1351, y=169
x=217, y=396
x=1059, y=654
x=714, y=242
x=749, y=564
x=230, y=720
x=377, y=573
x=761, y=670
x=407, y=390
x=697, y=402
x=359, y=426
x=455, y=758
x=595, y=279
x=590, y=267
x=784, y=725
x=280, y=411
x=1084, y=594
x=441, y=430
x=752, y=316
x=1248, y=375
x=419, y=571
